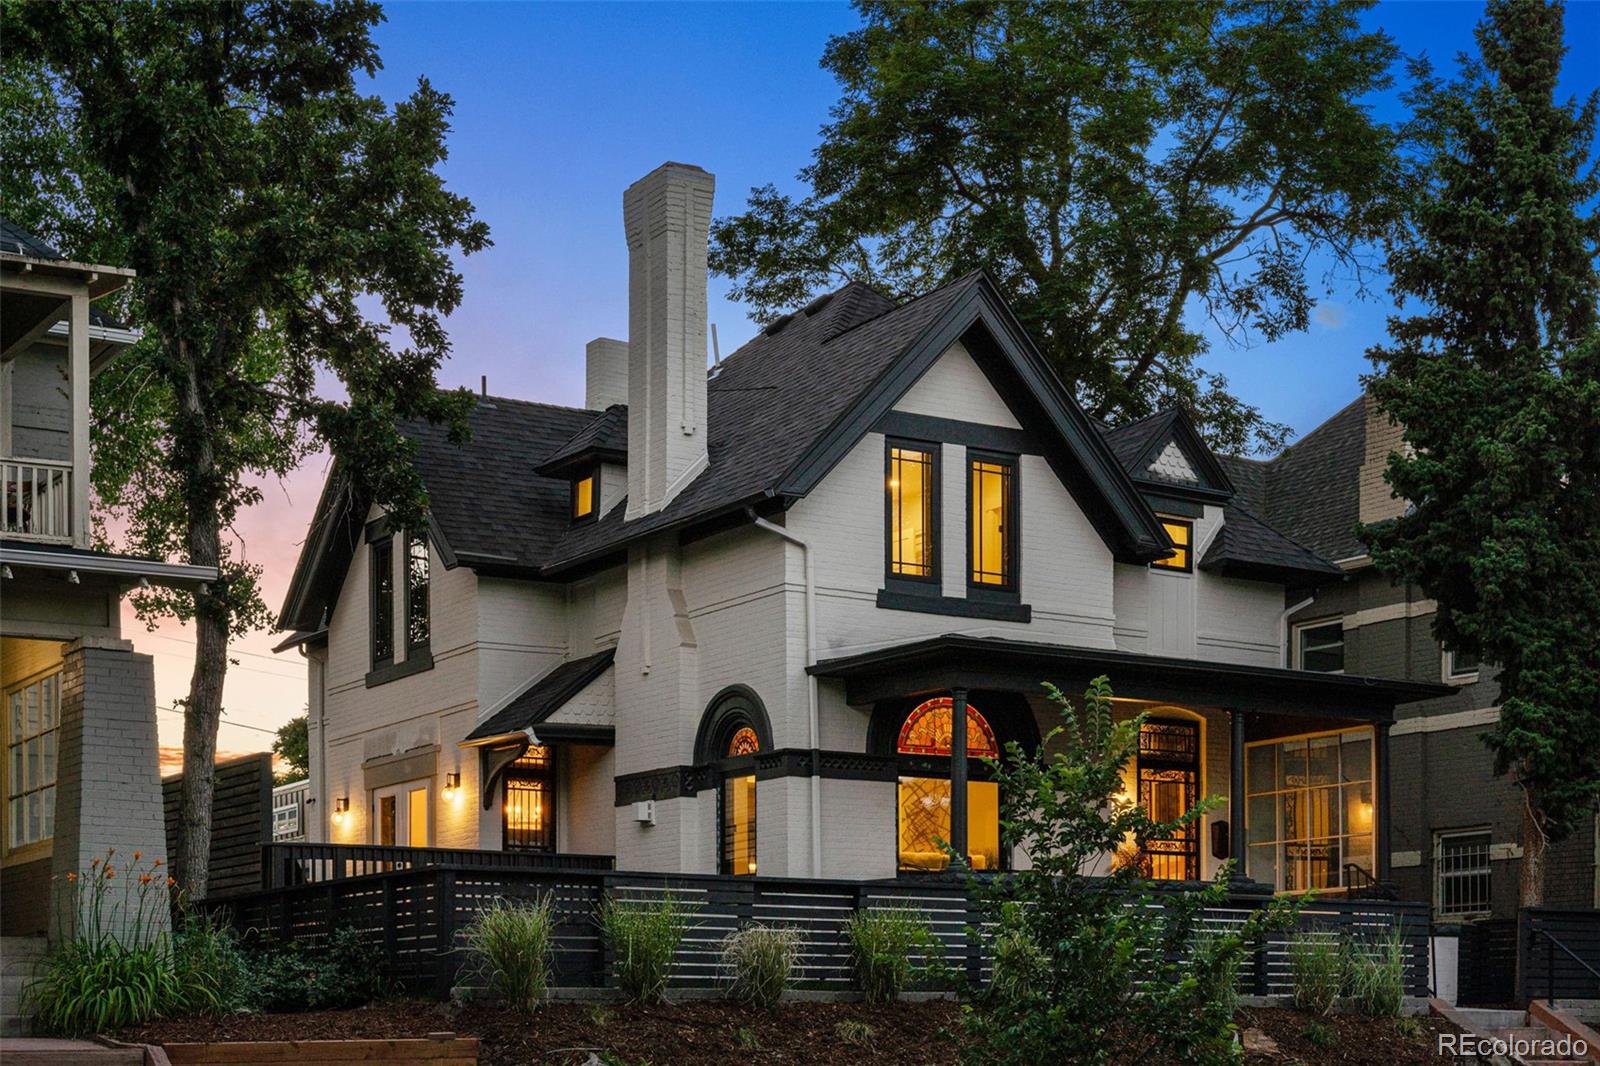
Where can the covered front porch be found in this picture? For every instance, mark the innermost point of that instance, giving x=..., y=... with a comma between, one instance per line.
x=1299, y=760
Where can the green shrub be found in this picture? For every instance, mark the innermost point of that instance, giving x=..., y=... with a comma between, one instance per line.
x=882, y=946
x=1377, y=976
x=348, y=972
x=214, y=972
x=643, y=938
x=510, y=945
x=759, y=960
x=1319, y=1035
x=854, y=1033
x=1018, y=962
x=1317, y=962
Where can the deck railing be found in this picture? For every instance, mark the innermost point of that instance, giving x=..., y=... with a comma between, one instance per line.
x=303, y=863
x=36, y=496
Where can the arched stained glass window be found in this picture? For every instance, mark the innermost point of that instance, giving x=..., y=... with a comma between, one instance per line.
x=743, y=742
x=928, y=731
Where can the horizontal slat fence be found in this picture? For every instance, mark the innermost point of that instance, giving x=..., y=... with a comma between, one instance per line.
x=1559, y=954
x=303, y=863
x=241, y=822
x=418, y=914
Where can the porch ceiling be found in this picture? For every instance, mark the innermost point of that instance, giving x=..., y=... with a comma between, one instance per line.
x=940, y=664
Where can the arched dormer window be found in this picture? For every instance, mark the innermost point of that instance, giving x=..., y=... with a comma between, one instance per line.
x=924, y=802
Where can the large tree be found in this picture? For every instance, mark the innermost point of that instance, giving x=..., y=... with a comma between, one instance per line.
x=1123, y=170
x=1496, y=381
x=226, y=152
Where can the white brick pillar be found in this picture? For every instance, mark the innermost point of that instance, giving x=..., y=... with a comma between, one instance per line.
x=108, y=786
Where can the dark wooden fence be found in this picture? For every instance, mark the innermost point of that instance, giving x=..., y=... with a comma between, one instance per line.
x=1558, y=954
x=417, y=914
x=303, y=863
x=241, y=822
x=1486, y=967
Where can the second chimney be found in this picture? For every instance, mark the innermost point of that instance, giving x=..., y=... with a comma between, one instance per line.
x=667, y=216
x=605, y=373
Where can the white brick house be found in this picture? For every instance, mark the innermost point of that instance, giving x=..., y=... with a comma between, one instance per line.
x=723, y=621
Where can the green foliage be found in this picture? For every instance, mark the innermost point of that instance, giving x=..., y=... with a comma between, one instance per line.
x=511, y=945
x=643, y=937
x=1318, y=962
x=293, y=746
x=1087, y=966
x=884, y=948
x=759, y=960
x=1320, y=1035
x=225, y=152
x=1111, y=165
x=855, y=1033
x=1377, y=978
x=213, y=969
x=747, y=1039
x=348, y=972
x=1495, y=377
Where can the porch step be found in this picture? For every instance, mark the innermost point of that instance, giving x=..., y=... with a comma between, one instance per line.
x=31, y=1051
x=21, y=960
x=1533, y=1036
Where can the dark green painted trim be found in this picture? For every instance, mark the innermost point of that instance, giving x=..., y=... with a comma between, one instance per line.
x=999, y=610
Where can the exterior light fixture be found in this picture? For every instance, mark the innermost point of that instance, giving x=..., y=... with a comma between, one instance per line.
x=72, y=578
x=5, y=571
x=452, y=784
x=340, y=806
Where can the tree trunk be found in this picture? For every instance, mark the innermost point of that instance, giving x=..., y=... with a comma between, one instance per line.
x=202, y=716
x=1534, y=845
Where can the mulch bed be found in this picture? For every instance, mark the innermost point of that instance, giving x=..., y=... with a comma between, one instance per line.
x=707, y=1032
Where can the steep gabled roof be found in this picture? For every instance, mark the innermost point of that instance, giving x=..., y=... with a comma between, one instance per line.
x=1164, y=451
x=1246, y=546
x=1313, y=489
x=545, y=696
x=604, y=440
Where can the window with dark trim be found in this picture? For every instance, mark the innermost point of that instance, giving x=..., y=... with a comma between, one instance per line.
x=922, y=817
x=912, y=513
x=586, y=495
x=382, y=561
x=1319, y=646
x=992, y=522
x=1463, y=873
x=1181, y=532
x=418, y=632
x=1459, y=665
x=736, y=851
x=528, y=813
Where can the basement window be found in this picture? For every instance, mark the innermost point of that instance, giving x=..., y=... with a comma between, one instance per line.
x=585, y=496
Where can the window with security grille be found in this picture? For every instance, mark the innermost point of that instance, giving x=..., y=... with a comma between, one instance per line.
x=1462, y=874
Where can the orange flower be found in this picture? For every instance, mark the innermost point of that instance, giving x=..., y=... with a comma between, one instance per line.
x=144, y=879
x=156, y=863
x=94, y=864
x=71, y=876
x=171, y=881
x=136, y=855
x=110, y=873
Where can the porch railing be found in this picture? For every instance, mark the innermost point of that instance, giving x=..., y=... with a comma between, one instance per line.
x=303, y=863
x=36, y=496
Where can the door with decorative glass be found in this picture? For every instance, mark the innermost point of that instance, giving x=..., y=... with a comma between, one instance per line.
x=400, y=815
x=1169, y=787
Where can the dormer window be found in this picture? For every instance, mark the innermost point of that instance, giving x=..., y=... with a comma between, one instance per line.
x=586, y=495
x=1181, y=532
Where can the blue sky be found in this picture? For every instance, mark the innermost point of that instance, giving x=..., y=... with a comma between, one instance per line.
x=560, y=106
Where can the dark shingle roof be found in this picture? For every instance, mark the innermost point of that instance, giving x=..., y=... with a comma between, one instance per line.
x=606, y=438
x=547, y=696
x=484, y=495
x=18, y=241
x=1246, y=546
x=1313, y=490
x=775, y=397
x=1132, y=439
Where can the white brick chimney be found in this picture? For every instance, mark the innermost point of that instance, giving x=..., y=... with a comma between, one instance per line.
x=667, y=216
x=605, y=373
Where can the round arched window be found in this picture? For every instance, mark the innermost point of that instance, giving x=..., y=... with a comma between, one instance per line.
x=743, y=742
x=924, y=802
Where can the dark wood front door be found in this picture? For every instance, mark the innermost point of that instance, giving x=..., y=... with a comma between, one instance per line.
x=1169, y=786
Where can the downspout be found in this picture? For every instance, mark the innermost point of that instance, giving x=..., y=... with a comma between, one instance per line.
x=811, y=681
x=1283, y=627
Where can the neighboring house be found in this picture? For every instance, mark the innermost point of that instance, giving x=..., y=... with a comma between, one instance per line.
x=80, y=770
x=289, y=811
x=1456, y=825
x=726, y=621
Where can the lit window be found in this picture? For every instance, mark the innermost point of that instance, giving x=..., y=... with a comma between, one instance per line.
x=737, y=854
x=33, y=711
x=991, y=517
x=1308, y=811
x=924, y=802
x=417, y=566
x=1181, y=532
x=583, y=496
x=400, y=816
x=911, y=487
x=1319, y=646
x=383, y=602
x=1462, y=874
x=528, y=813
x=1168, y=771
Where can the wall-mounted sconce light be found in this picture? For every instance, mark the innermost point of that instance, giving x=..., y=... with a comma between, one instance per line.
x=72, y=578
x=5, y=572
x=452, y=785
x=340, y=806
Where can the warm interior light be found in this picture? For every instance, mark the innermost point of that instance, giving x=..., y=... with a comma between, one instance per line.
x=452, y=785
x=752, y=865
x=340, y=805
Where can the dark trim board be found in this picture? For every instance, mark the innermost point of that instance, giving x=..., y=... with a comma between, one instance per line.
x=955, y=431
x=955, y=607
x=676, y=782
x=417, y=662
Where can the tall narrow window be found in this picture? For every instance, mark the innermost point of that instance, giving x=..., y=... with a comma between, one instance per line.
x=383, y=602
x=991, y=520
x=913, y=541
x=924, y=802
x=737, y=854
x=33, y=711
x=1319, y=646
x=528, y=813
x=417, y=627
x=585, y=496
x=1181, y=532
x=1169, y=787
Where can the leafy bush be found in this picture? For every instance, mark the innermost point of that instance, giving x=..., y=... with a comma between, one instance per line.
x=1091, y=966
x=511, y=945
x=855, y=1033
x=643, y=937
x=759, y=959
x=213, y=970
x=1319, y=1035
x=346, y=973
x=1377, y=977
x=882, y=946
x=1317, y=962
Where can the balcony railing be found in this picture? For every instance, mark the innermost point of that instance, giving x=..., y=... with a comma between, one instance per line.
x=37, y=499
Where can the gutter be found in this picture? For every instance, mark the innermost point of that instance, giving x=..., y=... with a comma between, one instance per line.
x=176, y=575
x=1283, y=626
x=811, y=678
